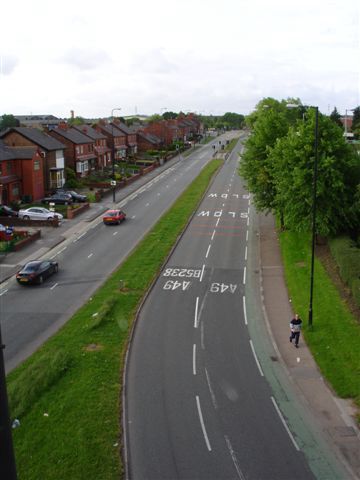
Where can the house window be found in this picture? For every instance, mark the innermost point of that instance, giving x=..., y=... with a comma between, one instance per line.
x=15, y=190
x=36, y=164
x=77, y=149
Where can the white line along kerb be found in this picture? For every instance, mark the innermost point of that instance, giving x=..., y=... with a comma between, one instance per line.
x=202, y=424
x=194, y=359
x=244, y=307
x=256, y=359
x=285, y=424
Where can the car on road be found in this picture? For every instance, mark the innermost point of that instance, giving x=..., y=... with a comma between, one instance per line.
x=39, y=213
x=58, y=199
x=112, y=217
x=77, y=197
x=6, y=211
x=36, y=271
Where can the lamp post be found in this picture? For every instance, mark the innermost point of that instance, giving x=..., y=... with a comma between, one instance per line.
x=7, y=457
x=314, y=205
x=113, y=152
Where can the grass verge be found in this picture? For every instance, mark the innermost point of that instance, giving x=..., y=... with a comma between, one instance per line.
x=335, y=337
x=67, y=395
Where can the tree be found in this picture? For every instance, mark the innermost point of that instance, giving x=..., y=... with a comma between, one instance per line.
x=169, y=115
x=75, y=121
x=291, y=163
x=7, y=121
x=233, y=120
x=356, y=122
x=336, y=117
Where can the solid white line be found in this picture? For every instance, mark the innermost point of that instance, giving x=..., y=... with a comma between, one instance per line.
x=3, y=292
x=208, y=250
x=202, y=341
x=91, y=254
x=234, y=459
x=217, y=222
x=213, y=235
x=256, y=359
x=244, y=308
x=55, y=285
x=248, y=221
x=245, y=253
x=212, y=394
x=248, y=210
x=115, y=233
x=202, y=273
x=194, y=359
x=247, y=235
x=196, y=312
x=284, y=423
x=202, y=424
x=244, y=277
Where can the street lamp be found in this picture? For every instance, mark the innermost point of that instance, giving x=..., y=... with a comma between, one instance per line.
x=113, y=152
x=313, y=241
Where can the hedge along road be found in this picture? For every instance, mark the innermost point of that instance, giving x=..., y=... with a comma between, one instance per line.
x=67, y=394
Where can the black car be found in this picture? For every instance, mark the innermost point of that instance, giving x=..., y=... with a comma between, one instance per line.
x=6, y=211
x=77, y=197
x=36, y=271
x=58, y=199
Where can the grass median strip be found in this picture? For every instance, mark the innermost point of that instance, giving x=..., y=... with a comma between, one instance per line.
x=67, y=395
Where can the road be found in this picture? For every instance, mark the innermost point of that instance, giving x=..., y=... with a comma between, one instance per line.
x=29, y=315
x=197, y=402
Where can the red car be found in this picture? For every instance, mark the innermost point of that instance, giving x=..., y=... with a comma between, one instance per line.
x=112, y=217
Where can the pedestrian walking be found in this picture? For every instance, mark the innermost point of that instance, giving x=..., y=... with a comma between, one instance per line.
x=295, y=327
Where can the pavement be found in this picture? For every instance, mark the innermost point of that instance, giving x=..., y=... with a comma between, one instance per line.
x=335, y=417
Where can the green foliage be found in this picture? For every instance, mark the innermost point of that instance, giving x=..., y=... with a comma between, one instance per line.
x=347, y=256
x=7, y=121
x=169, y=115
x=75, y=121
x=71, y=179
x=336, y=117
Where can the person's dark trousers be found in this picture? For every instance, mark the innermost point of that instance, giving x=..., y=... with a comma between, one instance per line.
x=295, y=335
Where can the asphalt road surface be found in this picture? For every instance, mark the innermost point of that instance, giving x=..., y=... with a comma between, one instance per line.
x=197, y=403
x=29, y=315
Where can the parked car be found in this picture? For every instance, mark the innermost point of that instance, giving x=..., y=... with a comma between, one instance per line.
x=36, y=271
x=39, y=213
x=77, y=197
x=6, y=211
x=58, y=199
x=112, y=217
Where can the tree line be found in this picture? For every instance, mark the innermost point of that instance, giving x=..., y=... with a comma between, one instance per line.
x=278, y=167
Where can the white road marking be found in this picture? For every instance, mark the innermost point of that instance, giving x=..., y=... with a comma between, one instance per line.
x=248, y=210
x=202, y=341
x=91, y=254
x=134, y=216
x=147, y=204
x=3, y=292
x=217, y=222
x=194, y=359
x=244, y=277
x=245, y=254
x=202, y=424
x=256, y=359
x=212, y=394
x=247, y=235
x=196, y=313
x=285, y=424
x=234, y=459
x=202, y=273
x=55, y=285
x=244, y=308
x=115, y=233
x=207, y=252
x=213, y=235
x=248, y=221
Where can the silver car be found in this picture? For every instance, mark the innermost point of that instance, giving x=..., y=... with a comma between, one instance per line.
x=39, y=213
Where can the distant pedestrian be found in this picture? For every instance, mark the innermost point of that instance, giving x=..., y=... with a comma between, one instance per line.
x=295, y=327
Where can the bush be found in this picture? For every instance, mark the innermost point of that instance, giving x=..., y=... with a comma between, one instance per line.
x=347, y=257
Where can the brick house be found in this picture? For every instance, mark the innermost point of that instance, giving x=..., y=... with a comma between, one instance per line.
x=51, y=150
x=163, y=129
x=131, y=137
x=80, y=149
x=102, y=151
x=147, y=141
x=21, y=174
x=116, y=139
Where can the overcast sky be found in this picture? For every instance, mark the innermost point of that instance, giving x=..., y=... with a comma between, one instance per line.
x=208, y=56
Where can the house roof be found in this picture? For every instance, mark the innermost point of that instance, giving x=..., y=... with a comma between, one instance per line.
x=150, y=138
x=90, y=132
x=37, y=136
x=73, y=135
x=124, y=128
x=13, y=153
x=112, y=130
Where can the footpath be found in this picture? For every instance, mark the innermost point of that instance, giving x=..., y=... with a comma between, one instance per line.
x=334, y=415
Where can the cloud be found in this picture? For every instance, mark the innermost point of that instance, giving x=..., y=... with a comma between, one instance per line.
x=85, y=59
x=7, y=64
x=154, y=61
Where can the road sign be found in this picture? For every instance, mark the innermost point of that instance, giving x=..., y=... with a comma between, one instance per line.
x=113, y=183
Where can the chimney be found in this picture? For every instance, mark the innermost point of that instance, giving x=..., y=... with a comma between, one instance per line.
x=72, y=114
x=63, y=125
